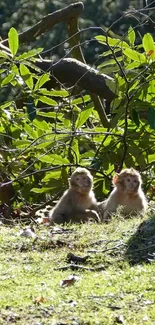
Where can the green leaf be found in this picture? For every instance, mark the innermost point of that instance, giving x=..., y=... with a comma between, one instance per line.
x=110, y=62
x=75, y=148
x=43, y=125
x=41, y=190
x=151, y=88
x=7, y=80
x=55, y=174
x=148, y=44
x=119, y=113
x=57, y=93
x=88, y=154
x=111, y=41
x=134, y=55
x=47, y=100
x=41, y=81
x=151, y=117
x=131, y=35
x=6, y=104
x=26, y=75
x=134, y=86
x=15, y=69
x=29, y=54
x=32, y=133
x=107, y=53
x=133, y=65
x=83, y=117
x=51, y=115
x=4, y=55
x=2, y=70
x=141, y=160
x=21, y=143
x=2, y=61
x=54, y=159
x=135, y=117
x=43, y=144
x=112, y=85
x=13, y=40
x=151, y=158
x=81, y=100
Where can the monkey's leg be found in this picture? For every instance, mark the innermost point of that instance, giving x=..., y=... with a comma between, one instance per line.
x=92, y=214
x=104, y=214
x=59, y=219
x=82, y=216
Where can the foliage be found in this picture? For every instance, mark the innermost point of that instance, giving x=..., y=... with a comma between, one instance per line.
x=54, y=130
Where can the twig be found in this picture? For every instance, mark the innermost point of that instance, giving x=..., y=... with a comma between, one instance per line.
x=79, y=267
x=72, y=36
x=72, y=11
x=98, y=242
x=107, y=249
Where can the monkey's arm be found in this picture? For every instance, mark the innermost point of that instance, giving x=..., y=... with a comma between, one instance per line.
x=107, y=206
x=61, y=212
x=102, y=210
x=142, y=203
x=57, y=217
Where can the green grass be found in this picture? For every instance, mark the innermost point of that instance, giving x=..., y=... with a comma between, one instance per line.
x=115, y=285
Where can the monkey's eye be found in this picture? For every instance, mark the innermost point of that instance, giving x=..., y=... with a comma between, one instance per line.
x=77, y=178
x=128, y=179
x=135, y=181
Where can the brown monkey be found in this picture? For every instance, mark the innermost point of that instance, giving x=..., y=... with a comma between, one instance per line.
x=127, y=193
x=78, y=203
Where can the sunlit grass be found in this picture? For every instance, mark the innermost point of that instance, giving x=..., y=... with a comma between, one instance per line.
x=111, y=287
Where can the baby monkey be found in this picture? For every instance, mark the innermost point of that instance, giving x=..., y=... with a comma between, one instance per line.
x=127, y=193
x=78, y=203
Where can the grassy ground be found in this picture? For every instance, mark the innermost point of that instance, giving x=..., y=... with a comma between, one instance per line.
x=115, y=284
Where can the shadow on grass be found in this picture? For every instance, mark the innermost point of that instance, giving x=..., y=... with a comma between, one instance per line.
x=141, y=246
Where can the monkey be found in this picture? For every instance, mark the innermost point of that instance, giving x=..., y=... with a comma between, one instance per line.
x=78, y=203
x=127, y=193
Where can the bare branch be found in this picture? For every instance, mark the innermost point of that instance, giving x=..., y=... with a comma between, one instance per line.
x=71, y=12
x=78, y=54
x=72, y=72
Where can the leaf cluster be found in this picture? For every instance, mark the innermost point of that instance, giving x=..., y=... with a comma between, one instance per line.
x=53, y=131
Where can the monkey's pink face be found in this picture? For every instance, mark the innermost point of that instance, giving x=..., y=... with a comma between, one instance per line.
x=130, y=183
x=82, y=183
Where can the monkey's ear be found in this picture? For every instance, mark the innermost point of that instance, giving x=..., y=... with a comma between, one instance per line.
x=69, y=180
x=115, y=178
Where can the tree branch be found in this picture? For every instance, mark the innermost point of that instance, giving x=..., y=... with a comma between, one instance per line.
x=72, y=11
x=78, y=54
x=71, y=71
x=74, y=73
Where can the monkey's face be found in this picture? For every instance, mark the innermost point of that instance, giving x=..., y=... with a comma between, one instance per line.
x=129, y=183
x=81, y=182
